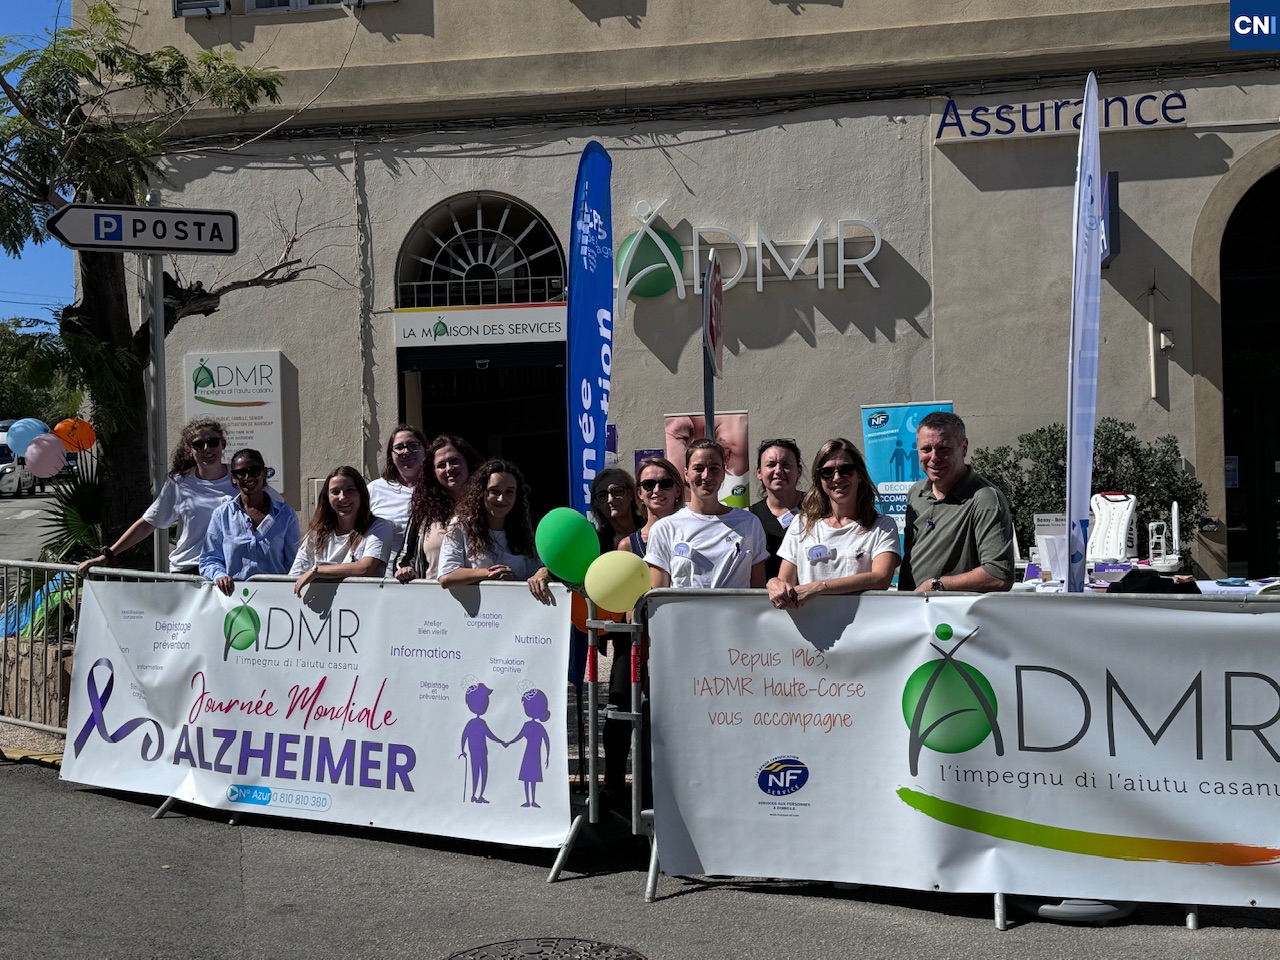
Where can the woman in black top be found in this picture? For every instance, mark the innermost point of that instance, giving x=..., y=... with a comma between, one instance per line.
x=778, y=468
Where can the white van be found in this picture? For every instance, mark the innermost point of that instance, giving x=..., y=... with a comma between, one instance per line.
x=15, y=478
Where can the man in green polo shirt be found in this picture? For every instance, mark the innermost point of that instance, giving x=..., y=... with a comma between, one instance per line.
x=959, y=533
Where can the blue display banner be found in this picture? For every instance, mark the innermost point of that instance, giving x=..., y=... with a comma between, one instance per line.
x=589, y=346
x=889, y=444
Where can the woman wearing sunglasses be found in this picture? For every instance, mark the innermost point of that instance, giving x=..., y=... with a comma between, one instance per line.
x=660, y=494
x=198, y=481
x=345, y=539
x=839, y=543
x=614, y=508
x=707, y=545
x=778, y=467
x=391, y=495
x=254, y=533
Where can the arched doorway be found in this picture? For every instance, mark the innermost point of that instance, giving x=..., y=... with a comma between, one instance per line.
x=1250, y=272
x=480, y=286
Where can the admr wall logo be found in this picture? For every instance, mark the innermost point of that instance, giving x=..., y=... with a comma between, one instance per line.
x=228, y=380
x=241, y=627
x=782, y=776
x=877, y=420
x=1255, y=25
x=948, y=705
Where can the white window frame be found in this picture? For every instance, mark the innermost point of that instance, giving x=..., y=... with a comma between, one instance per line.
x=293, y=6
x=198, y=8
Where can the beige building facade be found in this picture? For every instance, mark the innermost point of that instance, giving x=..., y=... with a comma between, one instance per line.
x=427, y=152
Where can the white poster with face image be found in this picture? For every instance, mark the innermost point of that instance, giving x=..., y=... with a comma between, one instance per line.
x=1089, y=746
x=418, y=709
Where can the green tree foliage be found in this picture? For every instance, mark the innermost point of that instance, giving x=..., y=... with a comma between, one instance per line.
x=1033, y=477
x=29, y=389
x=87, y=118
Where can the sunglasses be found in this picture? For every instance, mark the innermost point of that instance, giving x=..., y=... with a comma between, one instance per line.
x=207, y=444
x=788, y=443
x=244, y=473
x=839, y=469
x=666, y=483
x=613, y=493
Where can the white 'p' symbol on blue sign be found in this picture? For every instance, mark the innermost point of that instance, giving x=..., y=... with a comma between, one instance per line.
x=108, y=226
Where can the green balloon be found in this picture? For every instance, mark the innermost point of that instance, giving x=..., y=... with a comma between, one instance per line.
x=648, y=254
x=567, y=544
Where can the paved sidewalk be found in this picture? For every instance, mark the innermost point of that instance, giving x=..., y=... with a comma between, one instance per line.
x=87, y=873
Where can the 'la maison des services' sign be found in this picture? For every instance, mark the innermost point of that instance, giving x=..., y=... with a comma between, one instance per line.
x=972, y=120
x=458, y=326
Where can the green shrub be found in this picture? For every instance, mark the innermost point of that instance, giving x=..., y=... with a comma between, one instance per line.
x=1033, y=476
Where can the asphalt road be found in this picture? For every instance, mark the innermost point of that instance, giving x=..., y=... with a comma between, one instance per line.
x=21, y=526
x=86, y=873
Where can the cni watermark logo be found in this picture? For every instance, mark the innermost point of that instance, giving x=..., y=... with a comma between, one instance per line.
x=1255, y=25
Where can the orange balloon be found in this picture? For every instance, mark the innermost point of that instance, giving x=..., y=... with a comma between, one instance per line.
x=578, y=613
x=76, y=434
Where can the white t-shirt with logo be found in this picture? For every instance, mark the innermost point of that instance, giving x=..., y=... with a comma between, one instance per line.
x=706, y=551
x=337, y=549
x=824, y=552
x=189, y=502
x=456, y=552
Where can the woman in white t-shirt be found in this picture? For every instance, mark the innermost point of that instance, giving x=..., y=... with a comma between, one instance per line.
x=449, y=463
x=706, y=545
x=491, y=536
x=345, y=539
x=839, y=543
x=198, y=482
x=391, y=494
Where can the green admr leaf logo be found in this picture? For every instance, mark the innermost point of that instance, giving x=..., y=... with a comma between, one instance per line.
x=439, y=330
x=202, y=378
x=948, y=705
x=241, y=626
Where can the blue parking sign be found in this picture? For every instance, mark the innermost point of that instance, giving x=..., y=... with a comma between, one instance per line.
x=108, y=227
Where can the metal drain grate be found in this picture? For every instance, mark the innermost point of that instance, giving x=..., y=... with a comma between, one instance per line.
x=547, y=947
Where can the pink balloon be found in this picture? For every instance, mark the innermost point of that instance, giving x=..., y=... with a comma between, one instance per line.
x=46, y=455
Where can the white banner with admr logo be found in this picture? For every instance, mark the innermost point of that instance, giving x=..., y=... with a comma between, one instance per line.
x=1066, y=746
x=418, y=709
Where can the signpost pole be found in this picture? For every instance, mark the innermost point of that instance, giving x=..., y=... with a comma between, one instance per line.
x=712, y=339
x=158, y=406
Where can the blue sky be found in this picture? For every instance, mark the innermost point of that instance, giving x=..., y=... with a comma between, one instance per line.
x=43, y=276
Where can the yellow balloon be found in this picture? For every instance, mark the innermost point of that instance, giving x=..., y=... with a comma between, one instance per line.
x=617, y=580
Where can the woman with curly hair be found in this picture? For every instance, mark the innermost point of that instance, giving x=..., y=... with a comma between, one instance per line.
x=198, y=481
x=839, y=543
x=345, y=539
x=449, y=463
x=491, y=536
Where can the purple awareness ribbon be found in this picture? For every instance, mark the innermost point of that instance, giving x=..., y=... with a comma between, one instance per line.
x=96, y=721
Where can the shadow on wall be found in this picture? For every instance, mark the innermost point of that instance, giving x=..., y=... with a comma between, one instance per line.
x=391, y=20
x=797, y=6
x=665, y=325
x=291, y=435
x=1039, y=162
x=597, y=11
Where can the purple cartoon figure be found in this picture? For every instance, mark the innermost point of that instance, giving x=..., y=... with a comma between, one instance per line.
x=535, y=738
x=475, y=739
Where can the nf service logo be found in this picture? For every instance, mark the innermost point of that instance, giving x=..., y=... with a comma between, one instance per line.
x=948, y=705
x=1255, y=25
x=241, y=627
x=877, y=420
x=782, y=776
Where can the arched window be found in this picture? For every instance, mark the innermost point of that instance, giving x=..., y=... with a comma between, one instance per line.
x=480, y=249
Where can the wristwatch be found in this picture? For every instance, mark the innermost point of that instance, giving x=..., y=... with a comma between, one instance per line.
x=937, y=584
x=108, y=554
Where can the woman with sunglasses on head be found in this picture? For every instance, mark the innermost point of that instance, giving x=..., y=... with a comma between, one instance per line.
x=706, y=545
x=490, y=536
x=198, y=482
x=839, y=543
x=345, y=539
x=449, y=462
x=254, y=533
x=778, y=468
x=391, y=495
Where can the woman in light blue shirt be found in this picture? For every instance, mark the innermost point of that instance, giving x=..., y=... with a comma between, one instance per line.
x=252, y=533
